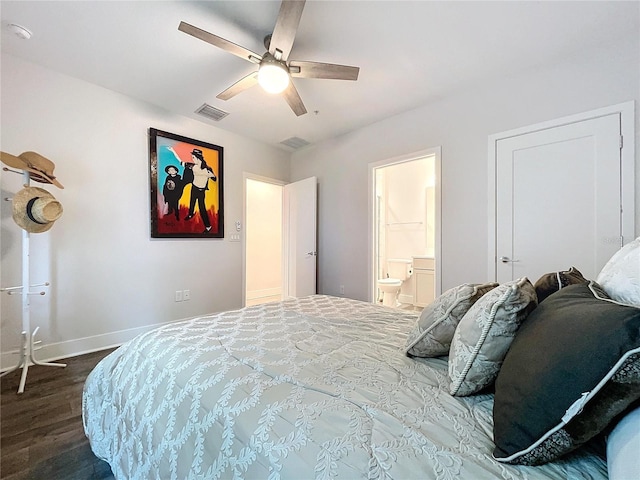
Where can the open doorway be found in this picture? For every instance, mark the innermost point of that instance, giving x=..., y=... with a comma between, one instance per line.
x=263, y=241
x=405, y=230
x=280, y=258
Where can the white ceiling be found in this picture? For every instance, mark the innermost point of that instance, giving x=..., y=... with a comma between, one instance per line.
x=409, y=52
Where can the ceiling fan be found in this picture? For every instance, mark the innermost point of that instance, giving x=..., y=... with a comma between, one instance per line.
x=274, y=68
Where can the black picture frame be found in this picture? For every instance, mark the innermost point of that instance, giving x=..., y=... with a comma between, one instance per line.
x=185, y=175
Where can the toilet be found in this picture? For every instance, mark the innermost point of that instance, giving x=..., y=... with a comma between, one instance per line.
x=398, y=269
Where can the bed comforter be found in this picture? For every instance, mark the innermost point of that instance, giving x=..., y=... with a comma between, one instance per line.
x=316, y=387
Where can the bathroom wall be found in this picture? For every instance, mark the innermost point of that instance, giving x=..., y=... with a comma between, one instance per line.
x=407, y=214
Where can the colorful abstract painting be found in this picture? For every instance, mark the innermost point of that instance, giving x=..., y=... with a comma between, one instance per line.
x=186, y=187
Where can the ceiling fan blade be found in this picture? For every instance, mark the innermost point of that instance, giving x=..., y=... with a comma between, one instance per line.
x=220, y=42
x=286, y=27
x=240, y=86
x=323, y=70
x=293, y=99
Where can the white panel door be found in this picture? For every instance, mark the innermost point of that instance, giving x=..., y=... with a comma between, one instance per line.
x=558, y=199
x=300, y=217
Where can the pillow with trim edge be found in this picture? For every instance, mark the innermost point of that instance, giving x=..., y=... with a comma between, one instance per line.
x=433, y=332
x=573, y=367
x=484, y=334
x=552, y=282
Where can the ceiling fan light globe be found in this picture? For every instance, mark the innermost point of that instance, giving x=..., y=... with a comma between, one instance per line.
x=273, y=78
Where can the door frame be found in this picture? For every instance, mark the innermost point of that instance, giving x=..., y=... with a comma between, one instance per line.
x=627, y=161
x=243, y=237
x=371, y=243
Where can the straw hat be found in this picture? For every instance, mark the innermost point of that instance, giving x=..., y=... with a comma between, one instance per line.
x=40, y=168
x=35, y=210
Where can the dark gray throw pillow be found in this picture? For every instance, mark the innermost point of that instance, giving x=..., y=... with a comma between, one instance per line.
x=552, y=282
x=573, y=367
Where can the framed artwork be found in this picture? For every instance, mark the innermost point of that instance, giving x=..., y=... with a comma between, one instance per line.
x=186, y=187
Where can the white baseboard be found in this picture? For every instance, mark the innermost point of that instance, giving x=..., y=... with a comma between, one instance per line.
x=78, y=346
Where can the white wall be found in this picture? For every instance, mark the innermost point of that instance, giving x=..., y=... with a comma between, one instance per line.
x=107, y=274
x=461, y=124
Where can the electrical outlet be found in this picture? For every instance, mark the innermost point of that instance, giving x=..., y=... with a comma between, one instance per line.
x=178, y=295
x=186, y=295
x=341, y=289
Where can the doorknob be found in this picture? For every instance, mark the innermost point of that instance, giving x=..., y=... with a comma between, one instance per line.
x=311, y=254
x=508, y=260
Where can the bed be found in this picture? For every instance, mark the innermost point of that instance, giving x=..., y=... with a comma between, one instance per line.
x=316, y=387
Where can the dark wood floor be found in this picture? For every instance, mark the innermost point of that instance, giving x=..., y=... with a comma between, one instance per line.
x=41, y=429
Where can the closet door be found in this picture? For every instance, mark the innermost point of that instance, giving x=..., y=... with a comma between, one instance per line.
x=558, y=199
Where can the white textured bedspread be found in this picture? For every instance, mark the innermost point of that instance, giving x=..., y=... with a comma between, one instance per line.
x=316, y=387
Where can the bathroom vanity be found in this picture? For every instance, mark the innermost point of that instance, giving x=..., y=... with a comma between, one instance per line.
x=423, y=280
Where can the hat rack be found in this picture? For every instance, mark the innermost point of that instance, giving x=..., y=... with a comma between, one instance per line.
x=28, y=347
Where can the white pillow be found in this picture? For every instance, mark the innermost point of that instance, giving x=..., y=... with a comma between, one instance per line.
x=620, y=277
x=432, y=334
x=623, y=448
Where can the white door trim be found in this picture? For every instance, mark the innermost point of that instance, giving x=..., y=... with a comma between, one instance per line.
x=437, y=152
x=627, y=158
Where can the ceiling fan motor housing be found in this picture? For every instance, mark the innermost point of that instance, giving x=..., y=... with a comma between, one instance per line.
x=273, y=75
x=268, y=59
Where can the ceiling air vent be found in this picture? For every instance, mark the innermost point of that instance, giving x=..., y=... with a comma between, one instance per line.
x=213, y=113
x=295, y=142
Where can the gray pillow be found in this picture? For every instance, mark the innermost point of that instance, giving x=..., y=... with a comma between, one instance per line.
x=433, y=332
x=485, y=333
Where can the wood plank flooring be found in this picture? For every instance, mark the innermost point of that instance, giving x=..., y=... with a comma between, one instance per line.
x=41, y=434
